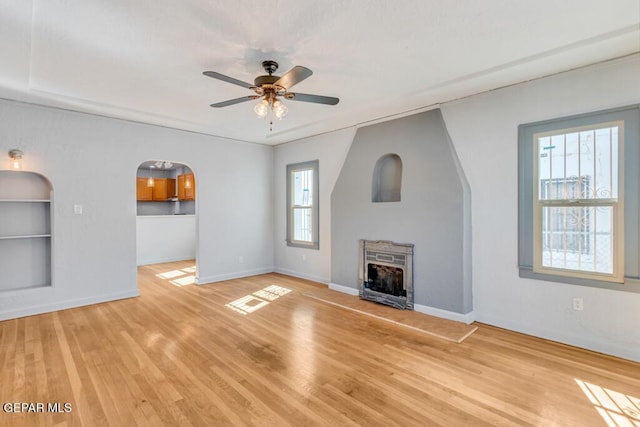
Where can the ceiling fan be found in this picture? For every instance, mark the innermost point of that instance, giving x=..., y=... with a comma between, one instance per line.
x=270, y=87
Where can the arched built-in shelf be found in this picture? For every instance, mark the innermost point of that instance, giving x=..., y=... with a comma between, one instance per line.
x=25, y=230
x=387, y=179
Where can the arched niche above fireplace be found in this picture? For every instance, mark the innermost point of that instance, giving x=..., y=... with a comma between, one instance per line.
x=387, y=179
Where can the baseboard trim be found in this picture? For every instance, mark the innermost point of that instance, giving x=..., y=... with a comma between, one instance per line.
x=431, y=311
x=343, y=289
x=236, y=275
x=467, y=318
x=299, y=275
x=608, y=348
x=64, y=305
x=166, y=259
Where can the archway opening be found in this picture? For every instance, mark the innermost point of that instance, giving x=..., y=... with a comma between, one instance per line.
x=166, y=221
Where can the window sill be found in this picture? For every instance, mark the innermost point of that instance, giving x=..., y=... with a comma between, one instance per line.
x=631, y=284
x=315, y=245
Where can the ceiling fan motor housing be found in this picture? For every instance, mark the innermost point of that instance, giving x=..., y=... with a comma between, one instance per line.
x=264, y=85
x=265, y=80
x=270, y=66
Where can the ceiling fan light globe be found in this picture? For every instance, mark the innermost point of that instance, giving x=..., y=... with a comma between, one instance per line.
x=280, y=110
x=262, y=108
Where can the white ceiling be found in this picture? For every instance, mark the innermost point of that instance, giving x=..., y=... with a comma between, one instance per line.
x=143, y=60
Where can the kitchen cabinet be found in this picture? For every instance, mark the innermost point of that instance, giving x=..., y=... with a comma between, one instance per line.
x=172, y=190
x=186, y=187
x=143, y=192
x=180, y=187
x=163, y=189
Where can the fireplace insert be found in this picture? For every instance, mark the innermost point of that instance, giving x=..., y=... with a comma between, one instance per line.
x=385, y=279
x=386, y=273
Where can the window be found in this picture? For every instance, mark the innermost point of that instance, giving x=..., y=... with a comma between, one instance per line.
x=302, y=205
x=572, y=231
x=579, y=216
x=578, y=203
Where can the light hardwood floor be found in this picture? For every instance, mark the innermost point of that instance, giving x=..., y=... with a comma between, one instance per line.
x=178, y=356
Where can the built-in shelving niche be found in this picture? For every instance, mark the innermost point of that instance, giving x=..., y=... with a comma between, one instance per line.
x=25, y=230
x=387, y=179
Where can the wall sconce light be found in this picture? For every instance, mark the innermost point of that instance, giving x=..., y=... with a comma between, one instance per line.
x=16, y=159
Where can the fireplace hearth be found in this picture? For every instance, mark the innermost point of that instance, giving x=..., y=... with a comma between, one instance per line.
x=386, y=273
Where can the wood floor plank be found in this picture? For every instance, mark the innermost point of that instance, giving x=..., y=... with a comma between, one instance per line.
x=437, y=327
x=80, y=411
x=185, y=355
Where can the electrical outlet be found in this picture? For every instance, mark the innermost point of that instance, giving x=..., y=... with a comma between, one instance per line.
x=241, y=259
x=578, y=304
x=304, y=257
x=77, y=209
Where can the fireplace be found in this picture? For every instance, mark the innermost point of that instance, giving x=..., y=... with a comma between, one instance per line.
x=385, y=273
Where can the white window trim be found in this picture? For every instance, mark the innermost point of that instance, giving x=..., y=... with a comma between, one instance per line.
x=314, y=244
x=617, y=274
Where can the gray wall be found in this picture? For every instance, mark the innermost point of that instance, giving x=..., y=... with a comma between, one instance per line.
x=432, y=214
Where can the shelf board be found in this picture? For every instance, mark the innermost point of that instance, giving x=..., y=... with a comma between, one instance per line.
x=25, y=201
x=25, y=236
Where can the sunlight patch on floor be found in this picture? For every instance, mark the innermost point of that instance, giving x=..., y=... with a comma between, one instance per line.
x=170, y=274
x=272, y=292
x=181, y=277
x=184, y=281
x=250, y=303
x=616, y=409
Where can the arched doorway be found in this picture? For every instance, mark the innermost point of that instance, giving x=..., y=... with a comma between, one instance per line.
x=166, y=219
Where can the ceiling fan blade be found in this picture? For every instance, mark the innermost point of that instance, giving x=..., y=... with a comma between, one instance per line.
x=234, y=101
x=305, y=97
x=227, y=79
x=293, y=77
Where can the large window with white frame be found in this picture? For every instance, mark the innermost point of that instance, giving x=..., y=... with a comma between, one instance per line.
x=302, y=205
x=579, y=199
x=578, y=202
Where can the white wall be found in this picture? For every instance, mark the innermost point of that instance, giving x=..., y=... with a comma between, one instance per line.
x=164, y=238
x=484, y=130
x=330, y=149
x=92, y=160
